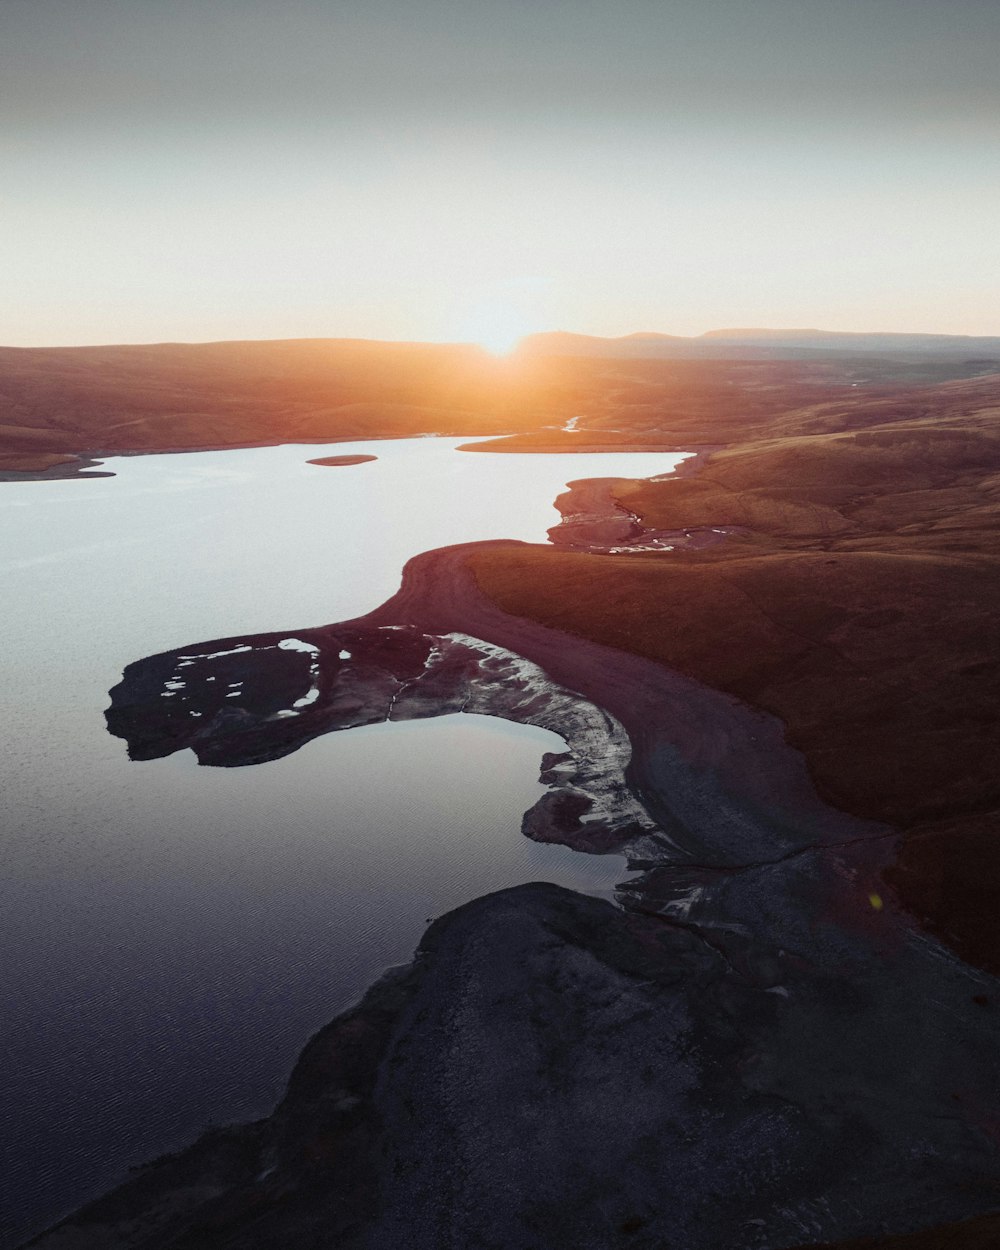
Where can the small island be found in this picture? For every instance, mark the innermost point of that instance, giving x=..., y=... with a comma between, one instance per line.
x=336, y=461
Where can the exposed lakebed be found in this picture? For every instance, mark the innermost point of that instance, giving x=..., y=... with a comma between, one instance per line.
x=173, y=934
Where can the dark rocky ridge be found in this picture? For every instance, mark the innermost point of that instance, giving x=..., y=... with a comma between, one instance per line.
x=855, y=598
x=551, y=1072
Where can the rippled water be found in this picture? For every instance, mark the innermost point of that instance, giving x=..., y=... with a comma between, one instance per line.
x=173, y=934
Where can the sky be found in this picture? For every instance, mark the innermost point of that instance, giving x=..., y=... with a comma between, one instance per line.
x=479, y=169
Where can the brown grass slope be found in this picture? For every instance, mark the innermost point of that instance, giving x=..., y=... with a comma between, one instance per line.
x=171, y=396
x=860, y=604
x=59, y=402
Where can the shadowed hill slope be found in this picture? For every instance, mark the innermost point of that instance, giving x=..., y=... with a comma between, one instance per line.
x=859, y=602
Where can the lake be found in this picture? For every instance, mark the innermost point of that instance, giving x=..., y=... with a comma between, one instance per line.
x=172, y=934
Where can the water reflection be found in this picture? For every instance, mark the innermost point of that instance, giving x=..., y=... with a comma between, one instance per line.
x=173, y=934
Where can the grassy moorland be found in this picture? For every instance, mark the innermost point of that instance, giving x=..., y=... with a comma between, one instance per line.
x=60, y=404
x=860, y=603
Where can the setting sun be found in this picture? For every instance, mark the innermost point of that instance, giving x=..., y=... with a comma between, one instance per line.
x=499, y=313
x=498, y=333
x=499, y=344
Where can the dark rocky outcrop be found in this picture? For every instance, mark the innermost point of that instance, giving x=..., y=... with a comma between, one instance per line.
x=244, y=701
x=552, y=1072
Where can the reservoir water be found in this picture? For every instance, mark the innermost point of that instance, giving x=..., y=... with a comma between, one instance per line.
x=173, y=934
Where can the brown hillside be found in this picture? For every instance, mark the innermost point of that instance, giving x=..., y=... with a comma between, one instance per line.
x=860, y=604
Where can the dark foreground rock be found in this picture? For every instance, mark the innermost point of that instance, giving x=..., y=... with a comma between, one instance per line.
x=553, y=1072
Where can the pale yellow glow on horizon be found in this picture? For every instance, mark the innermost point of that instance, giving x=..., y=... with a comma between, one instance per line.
x=500, y=342
x=503, y=312
x=446, y=241
x=500, y=347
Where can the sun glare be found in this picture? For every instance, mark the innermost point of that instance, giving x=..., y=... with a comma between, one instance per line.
x=499, y=320
x=499, y=344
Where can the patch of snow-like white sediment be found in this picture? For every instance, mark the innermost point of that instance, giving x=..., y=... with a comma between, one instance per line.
x=175, y=684
x=307, y=648
x=215, y=655
x=515, y=688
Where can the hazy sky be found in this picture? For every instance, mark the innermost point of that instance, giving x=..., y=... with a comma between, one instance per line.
x=436, y=169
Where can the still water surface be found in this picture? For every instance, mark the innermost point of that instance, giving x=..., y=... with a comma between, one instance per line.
x=173, y=934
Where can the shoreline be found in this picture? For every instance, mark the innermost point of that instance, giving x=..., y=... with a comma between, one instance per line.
x=82, y=462
x=759, y=892
x=920, y=1018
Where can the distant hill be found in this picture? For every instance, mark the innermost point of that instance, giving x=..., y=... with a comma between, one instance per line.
x=58, y=401
x=757, y=343
x=840, y=340
x=60, y=404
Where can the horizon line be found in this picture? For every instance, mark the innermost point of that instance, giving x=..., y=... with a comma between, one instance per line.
x=719, y=333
